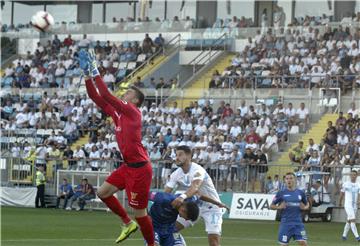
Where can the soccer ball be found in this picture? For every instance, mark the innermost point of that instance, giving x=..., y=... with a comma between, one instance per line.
x=42, y=21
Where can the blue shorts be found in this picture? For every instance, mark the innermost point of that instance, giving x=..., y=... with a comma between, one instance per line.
x=296, y=231
x=169, y=239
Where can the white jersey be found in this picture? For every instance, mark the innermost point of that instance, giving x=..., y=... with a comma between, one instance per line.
x=351, y=191
x=196, y=172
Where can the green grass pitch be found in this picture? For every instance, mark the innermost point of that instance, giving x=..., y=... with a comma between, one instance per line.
x=50, y=227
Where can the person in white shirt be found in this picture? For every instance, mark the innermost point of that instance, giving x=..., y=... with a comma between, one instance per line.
x=174, y=110
x=105, y=160
x=290, y=113
x=228, y=145
x=270, y=145
x=155, y=156
x=319, y=194
x=350, y=190
x=60, y=71
x=94, y=157
x=312, y=146
x=354, y=51
x=302, y=115
x=195, y=180
x=16, y=150
x=200, y=128
x=353, y=110
x=202, y=144
x=109, y=79
x=22, y=120
x=262, y=130
x=223, y=127
x=186, y=127
x=235, y=130
x=342, y=140
x=79, y=156
x=243, y=108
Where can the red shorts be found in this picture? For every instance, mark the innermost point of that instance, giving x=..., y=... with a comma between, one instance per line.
x=135, y=181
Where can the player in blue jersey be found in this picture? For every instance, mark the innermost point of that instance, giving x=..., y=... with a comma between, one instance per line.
x=164, y=213
x=291, y=201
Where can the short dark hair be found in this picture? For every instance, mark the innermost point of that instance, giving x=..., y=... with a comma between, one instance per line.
x=184, y=148
x=354, y=171
x=139, y=95
x=192, y=210
x=290, y=173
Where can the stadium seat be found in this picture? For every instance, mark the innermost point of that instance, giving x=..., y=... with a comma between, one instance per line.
x=123, y=65
x=131, y=65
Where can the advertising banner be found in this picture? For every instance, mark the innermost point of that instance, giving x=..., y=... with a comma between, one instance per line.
x=252, y=207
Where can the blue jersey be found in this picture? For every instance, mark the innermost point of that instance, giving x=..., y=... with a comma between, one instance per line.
x=292, y=213
x=162, y=213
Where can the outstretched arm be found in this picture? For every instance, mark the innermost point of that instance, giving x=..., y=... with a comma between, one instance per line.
x=98, y=100
x=213, y=201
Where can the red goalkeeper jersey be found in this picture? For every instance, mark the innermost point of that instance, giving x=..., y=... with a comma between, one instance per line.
x=126, y=117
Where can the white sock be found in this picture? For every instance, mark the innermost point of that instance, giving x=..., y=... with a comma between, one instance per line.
x=346, y=229
x=354, y=229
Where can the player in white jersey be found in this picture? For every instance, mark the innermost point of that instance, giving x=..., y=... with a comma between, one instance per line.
x=195, y=180
x=350, y=190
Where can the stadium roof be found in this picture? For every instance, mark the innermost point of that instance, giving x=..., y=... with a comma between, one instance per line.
x=69, y=2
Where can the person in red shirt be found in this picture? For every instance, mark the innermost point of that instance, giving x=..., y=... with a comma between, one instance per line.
x=136, y=173
x=253, y=135
x=68, y=41
x=228, y=112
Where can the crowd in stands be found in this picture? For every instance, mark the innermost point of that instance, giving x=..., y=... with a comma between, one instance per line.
x=208, y=132
x=54, y=65
x=339, y=147
x=293, y=59
x=118, y=24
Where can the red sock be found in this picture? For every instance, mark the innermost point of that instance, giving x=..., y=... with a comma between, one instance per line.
x=116, y=207
x=147, y=229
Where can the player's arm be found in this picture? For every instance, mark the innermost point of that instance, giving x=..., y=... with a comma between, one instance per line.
x=304, y=204
x=193, y=190
x=98, y=100
x=170, y=185
x=217, y=203
x=278, y=202
x=117, y=103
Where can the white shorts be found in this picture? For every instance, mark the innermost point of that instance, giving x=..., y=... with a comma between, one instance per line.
x=350, y=212
x=212, y=218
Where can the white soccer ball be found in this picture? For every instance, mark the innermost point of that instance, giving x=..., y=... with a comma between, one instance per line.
x=42, y=21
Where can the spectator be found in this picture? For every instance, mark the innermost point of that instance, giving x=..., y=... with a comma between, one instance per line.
x=159, y=42
x=65, y=192
x=79, y=157
x=262, y=168
x=249, y=160
x=68, y=41
x=147, y=44
x=297, y=154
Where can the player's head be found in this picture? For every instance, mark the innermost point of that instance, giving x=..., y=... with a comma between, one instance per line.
x=353, y=175
x=290, y=180
x=189, y=211
x=134, y=95
x=183, y=155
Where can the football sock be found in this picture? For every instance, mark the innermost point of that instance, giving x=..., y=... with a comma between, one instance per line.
x=147, y=229
x=346, y=229
x=113, y=203
x=354, y=229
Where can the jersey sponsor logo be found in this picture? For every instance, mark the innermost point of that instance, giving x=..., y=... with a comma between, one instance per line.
x=133, y=195
x=118, y=129
x=299, y=196
x=124, y=102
